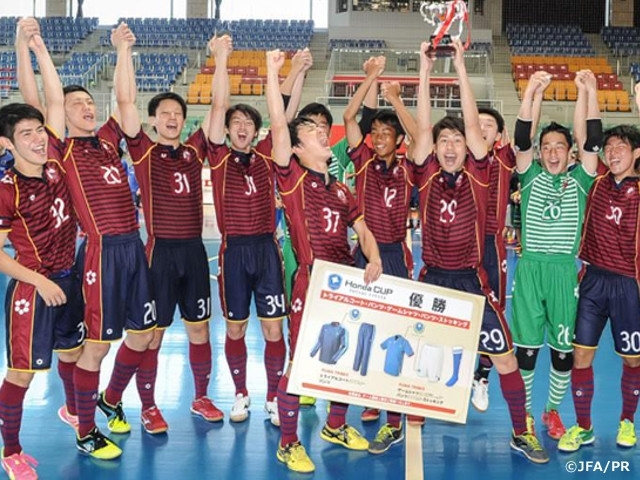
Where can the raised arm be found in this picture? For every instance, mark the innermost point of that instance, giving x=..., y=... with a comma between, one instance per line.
x=529, y=111
x=472, y=131
x=587, y=124
x=53, y=94
x=275, y=104
x=373, y=68
x=301, y=62
x=391, y=93
x=26, y=29
x=423, y=140
x=124, y=80
x=221, y=48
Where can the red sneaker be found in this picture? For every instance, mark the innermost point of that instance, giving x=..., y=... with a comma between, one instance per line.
x=204, y=407
x=370, y=415
x=553, y=422
x=66, y=417
x=20, y=466
x=153, y=421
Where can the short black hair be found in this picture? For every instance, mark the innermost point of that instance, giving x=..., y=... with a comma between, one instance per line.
x=14, y=113
x=152, y=107
x=626, y=133
x=75, y=88
x=556, y=127
x=495, y=114
x=449, y=122
x=294, y=125
x=390, y=118
x=316, y=108
x=248, y=110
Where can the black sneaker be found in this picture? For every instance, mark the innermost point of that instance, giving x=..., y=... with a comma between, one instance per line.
x=530, y=447
x=116, y=419
x=386, y=436
x=98, y=446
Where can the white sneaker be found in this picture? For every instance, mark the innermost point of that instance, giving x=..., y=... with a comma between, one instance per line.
x=271, y=408
x=240, y=409
x=480, y=394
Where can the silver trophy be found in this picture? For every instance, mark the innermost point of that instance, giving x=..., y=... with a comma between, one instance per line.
x=445, y=17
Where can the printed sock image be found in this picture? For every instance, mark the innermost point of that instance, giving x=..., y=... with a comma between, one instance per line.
x=457, y=357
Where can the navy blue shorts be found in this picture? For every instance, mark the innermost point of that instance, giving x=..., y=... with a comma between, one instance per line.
x=116, y=284
x=494, y=262
x=495, y=337
x=251, y=265
x=35, y=330
x=180, y=277
x=606, y=295
x=395, y=260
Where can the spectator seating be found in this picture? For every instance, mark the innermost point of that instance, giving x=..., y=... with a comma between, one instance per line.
x=622, y=41
x=611, y=93
x=8, y=76
x=344, y=43
x=60, y=34
x=547, y=40
x=247, y=75
x=196, y=32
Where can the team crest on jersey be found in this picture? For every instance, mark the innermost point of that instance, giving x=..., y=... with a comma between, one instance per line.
x=314, y=184
x=91, y=277
x=630, y=191
x=52, y=174
x=106, y=147
x=342, y=196
x=186, y=155
x=8, y=179
x=163, y=155
x=22, y=306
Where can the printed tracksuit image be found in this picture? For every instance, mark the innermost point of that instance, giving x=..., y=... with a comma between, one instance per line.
x=332, y=343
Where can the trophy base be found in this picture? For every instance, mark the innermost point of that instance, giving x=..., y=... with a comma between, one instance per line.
x=443, y=48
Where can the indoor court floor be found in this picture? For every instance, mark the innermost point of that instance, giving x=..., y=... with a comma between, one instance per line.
x=195, y=449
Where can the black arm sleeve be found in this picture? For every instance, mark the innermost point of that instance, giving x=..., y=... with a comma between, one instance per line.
x=595, y=137
x=367, y=119
x=522, y=135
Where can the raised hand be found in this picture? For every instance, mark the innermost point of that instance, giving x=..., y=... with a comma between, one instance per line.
x=275, y=60
x=426, y=59
x=221, y=46
x=390, y=91
x=539, y=82
x=27, y=28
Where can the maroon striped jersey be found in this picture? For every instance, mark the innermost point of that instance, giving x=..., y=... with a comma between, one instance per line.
x=97, y=181
x=611, y=231
x=383, y=193
x=502, y=162
x=170, y=182
x=453, y=213
x=243, y=189
x=317, y=214
x=37, y=214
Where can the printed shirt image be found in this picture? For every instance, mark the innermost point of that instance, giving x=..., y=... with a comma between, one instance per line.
x=397, y=347
x=332, y=343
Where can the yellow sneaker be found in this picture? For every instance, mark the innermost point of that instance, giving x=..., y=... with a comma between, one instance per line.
x=295, y=457
x=346, y=436
x=574, y=438
x=98, y=446
x=306, y=401
x=116, y=419
x=626, y=434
